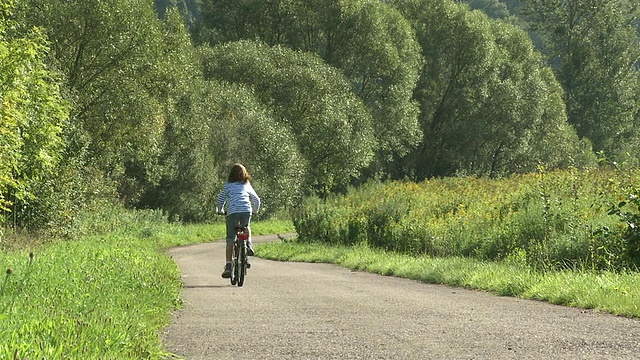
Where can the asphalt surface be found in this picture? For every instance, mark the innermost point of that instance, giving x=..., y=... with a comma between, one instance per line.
x=318, y=311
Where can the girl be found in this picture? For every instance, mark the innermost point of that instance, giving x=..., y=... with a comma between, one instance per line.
x=241, y=202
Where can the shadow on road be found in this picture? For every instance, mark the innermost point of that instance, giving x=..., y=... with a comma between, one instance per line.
x=206, y=286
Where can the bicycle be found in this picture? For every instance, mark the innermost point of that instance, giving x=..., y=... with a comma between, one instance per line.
x=240, y=261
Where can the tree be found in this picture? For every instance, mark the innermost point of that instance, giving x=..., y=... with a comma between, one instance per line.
x=32, y=110
x=187, y=162
x=210, y=129
x=188, y=9
x=143, y=115
x=369, y=41
x=108, y=52
x=595, y=48
x=381, y=57
x=209, y=126
x=246, y=131
x=494, y=8
x=485, y=97
x=331, y=126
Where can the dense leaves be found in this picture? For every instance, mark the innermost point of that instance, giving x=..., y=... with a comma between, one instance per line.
x=106, y=100
x=32, y=111
x=108, y=52
x=332, y=128
x=488, y=105
x=247, y=132
x=367, y=40
x=555, y=220
x=187, y=164
x=594, y=47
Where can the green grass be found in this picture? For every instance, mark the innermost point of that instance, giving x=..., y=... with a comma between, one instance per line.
x=98, y=297
x=103, y=297
x=615, y=293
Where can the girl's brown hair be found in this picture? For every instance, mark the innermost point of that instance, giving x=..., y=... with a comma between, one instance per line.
x=239, y=173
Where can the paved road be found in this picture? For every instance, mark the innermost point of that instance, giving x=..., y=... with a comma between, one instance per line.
x=319, y=311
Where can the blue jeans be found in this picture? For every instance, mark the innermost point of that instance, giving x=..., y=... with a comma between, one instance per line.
x=232, y=222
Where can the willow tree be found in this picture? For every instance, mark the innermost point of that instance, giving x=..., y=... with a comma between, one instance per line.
x=367, y=40
x=489, y=105
x=594, y=47
x=332, y=127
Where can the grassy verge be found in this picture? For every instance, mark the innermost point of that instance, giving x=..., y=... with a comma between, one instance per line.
x=616, y=293
x=98, y=297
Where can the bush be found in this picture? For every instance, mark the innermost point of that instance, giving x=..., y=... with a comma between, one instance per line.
x=551, y=220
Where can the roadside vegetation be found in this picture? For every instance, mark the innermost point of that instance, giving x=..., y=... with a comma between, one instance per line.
x=102, y=296
x=567, y=237
x=421, y=129
x=151, y=105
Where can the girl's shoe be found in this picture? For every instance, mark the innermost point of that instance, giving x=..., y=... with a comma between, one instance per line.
x=227, y=271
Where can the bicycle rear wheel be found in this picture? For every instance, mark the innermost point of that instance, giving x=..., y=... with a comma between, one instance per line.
x=234, y=267
x=242, y=265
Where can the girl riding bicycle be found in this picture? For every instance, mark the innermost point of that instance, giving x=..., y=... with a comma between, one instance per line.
x=241, y=201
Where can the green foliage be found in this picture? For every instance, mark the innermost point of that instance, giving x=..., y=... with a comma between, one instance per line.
x=330, y=126
x=549, y=220
x=629, y=213
x=331, y=101
x=246, y=132
x=109, y=52
x=208, y=126
x=187, y=163
x=368, y=41
x=594, y=47
x=489, y=106
x=32, y=112
x=494, y=8
x=188, y=9
x=73, y=191
x=380, y=56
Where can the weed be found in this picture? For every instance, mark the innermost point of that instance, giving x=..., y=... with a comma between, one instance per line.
x=628, y=212
x=556, y=218
x=10, y=290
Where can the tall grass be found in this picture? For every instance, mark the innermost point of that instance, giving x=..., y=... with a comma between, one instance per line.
x=556, y=220
x=99, y=297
